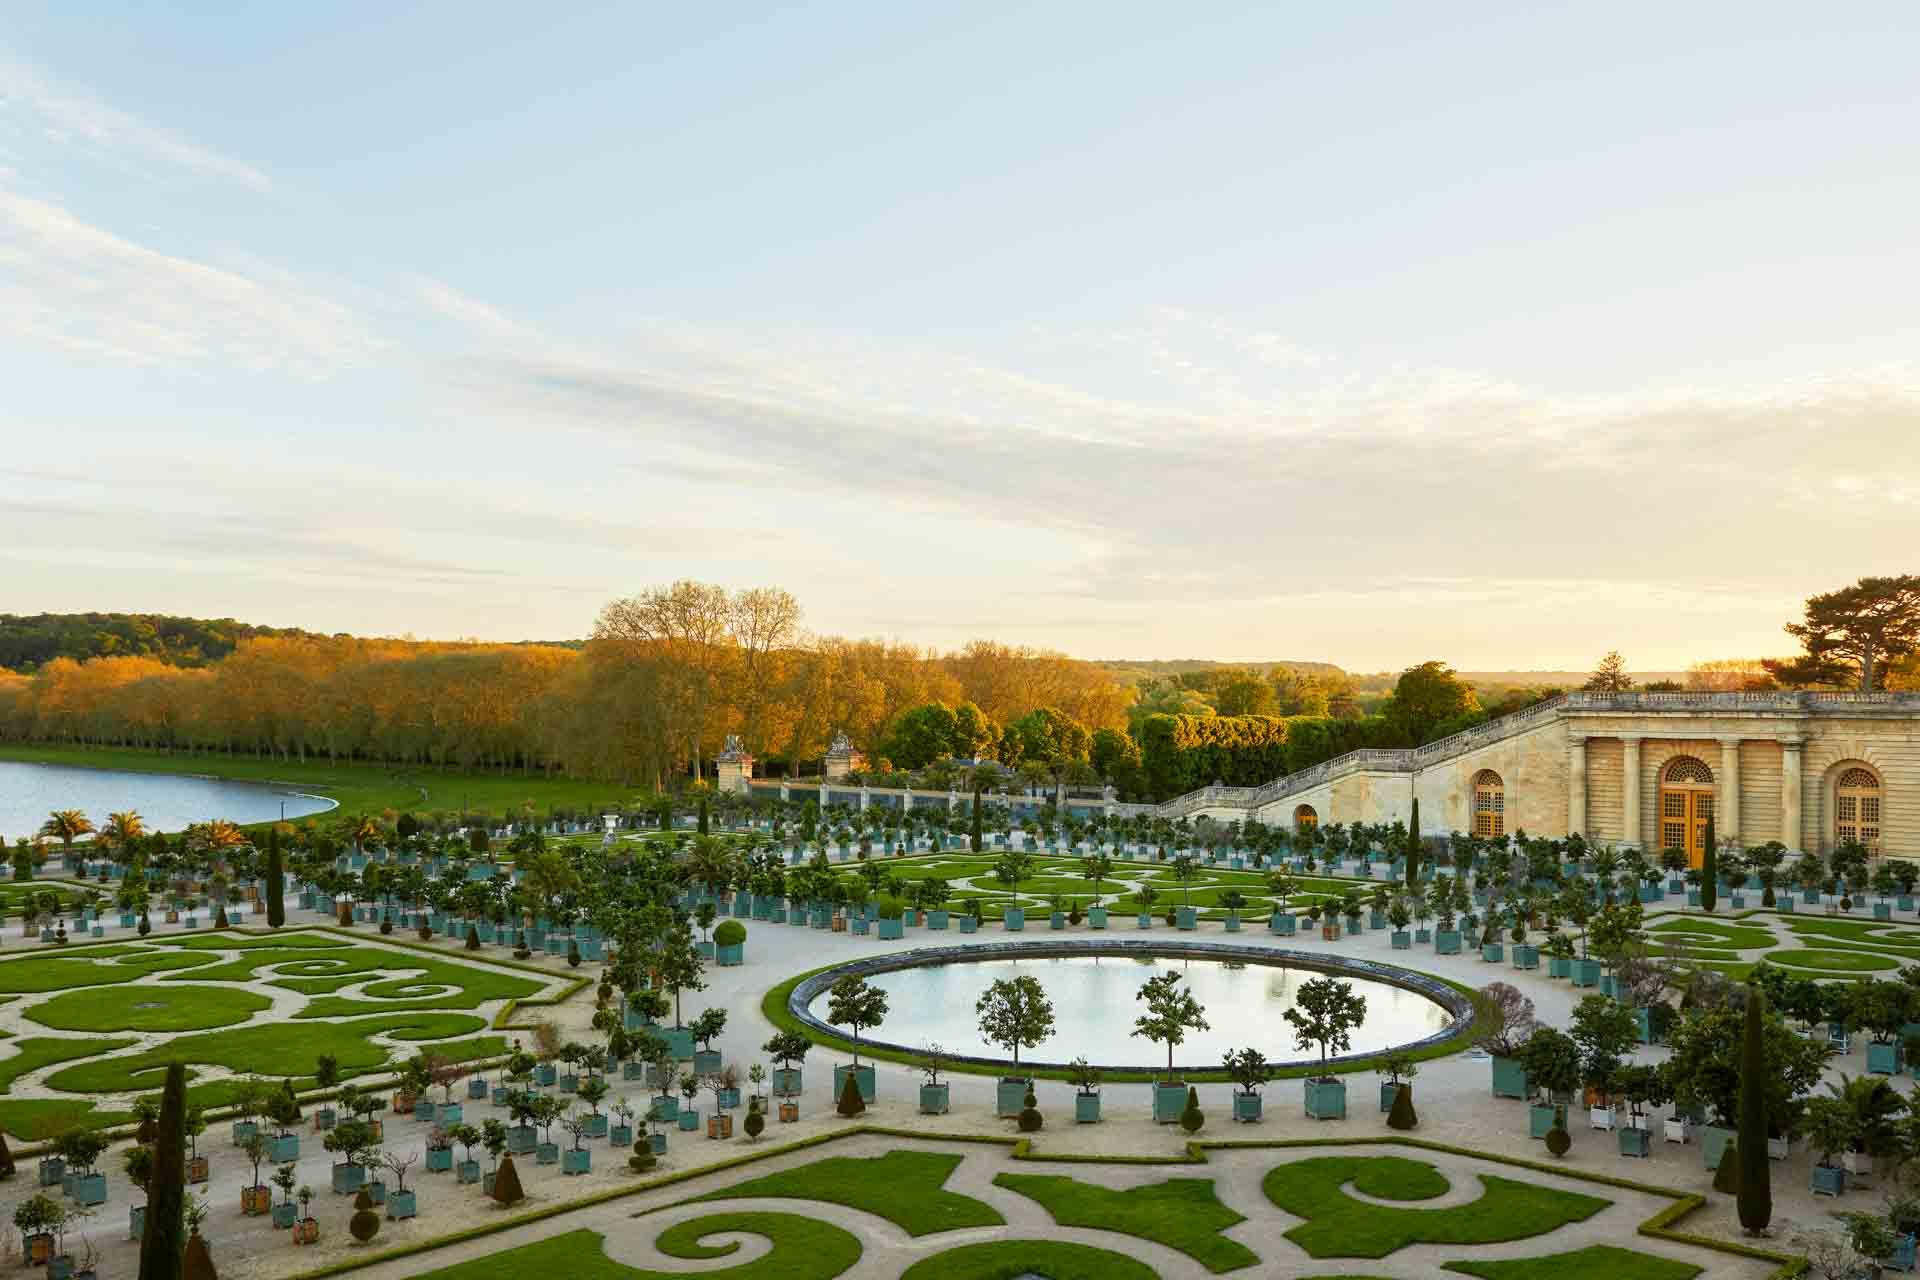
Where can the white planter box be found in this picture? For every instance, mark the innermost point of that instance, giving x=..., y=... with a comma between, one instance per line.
x=1779, y=1148
x=1677, y=1128
x=1600, y=1117
x=1637, y=1122
x=1859, y=1165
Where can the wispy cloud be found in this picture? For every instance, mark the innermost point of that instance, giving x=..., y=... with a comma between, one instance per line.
x=31, y=101
x=75, y=286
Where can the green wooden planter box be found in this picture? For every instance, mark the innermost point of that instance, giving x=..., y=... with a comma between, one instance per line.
x=1246, y=1107
x=1388, y=1092
x=1186, y=918
x=1096, y=917
x=1586, y=973
x=1540, y=1119
x=1635, y=1142
x=1014, y=919
x=1326, y=1099
x=577, y=1162
x=1010, y=1096
x=1559, y=966
x=1884, y=1059
x=1714, y=1142
x=1509, y=1078
x=1446, y=942
x=1283, y=923
x=933, y=1099
x=1169, y=1100
x=1086, y=1108
x=1525, y=956
x=1493, y=952
x=1401, y=940
x=864, y=1080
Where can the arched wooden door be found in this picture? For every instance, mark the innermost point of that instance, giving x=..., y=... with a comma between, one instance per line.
x=1686, y=806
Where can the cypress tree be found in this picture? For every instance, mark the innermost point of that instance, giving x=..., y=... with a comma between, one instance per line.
x=703, y=815
x=1756, y=1175
x=276, y=881
x=975, y=839
x=1709, y=872
x=162, y=1247
x=1413, y=845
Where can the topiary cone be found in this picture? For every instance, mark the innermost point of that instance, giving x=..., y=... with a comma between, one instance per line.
x=1030, y=1118
x=506, y=1183
x=1559, y=1141
x=1726, y=1178
x=851, y=1103
x=1401, y=1115
x=1191, y=1117
x=196, y=1263
x=220, y=922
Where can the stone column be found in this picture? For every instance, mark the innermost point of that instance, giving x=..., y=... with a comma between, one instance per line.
x=1790, y=784
x=1577, y=784
x=1630, y=791
x=1729, y=814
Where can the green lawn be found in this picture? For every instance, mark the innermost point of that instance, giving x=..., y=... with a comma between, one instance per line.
x=1008, y=1259
x=1338, y=1226
x=328, y=968
x=61, y=971
x=803, y=1249
x=280, y=1049
x=34, y=1053
x=291, y=939
x=1834, y=961
x=907, y=1188
x=1902, y=940
x=1713, y=934
x=169, y=1008
x=359, y=788
x=1597, y=1262
x=1181, y=1213
x=38, y=1119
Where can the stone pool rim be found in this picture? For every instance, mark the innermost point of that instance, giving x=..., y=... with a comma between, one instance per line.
x=1454, y=1001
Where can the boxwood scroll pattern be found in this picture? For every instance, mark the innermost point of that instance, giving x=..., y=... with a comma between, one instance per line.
x=1447, y=997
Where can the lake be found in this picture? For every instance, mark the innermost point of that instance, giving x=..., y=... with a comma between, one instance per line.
x=168, y=802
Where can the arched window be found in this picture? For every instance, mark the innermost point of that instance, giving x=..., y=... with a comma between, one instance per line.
x=1489, y=805
x=1305, y=819
x=1856, y=808
x=1686, y=806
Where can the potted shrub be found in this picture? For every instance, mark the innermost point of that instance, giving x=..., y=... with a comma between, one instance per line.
x=545, y=1112
x=493, y=1136
x=349, y=1139
x=1606, y=1032
x=706, y=1029
x=1147, y=896
x=1399, y=1068
x=1559, y=951
x=400, y=1201
x=934, y=1090
x=1551, y=1060
x=730, y=943
x=593, y=1091
x=1400, y=917
x=256, y=1199
x=970, y=918
x=246, y=1108
x=689, y=1114
x=1831, y=1129
x=138, y=1161
x=1325, y=1013
x=577, y=1159
x=286, y=1213
x=1172, y=1011
x=1641, y=1086
x=1249, y=1070
x=1281, y=885
x=723, y=1083
x=1503, y=1021
x=1086, y=1098
x=854, y=1002
x=788, y=1049
x=466, y=1169
x=620, y=1132
x=439, y=1150
x=1185, y=867
x=38, y=1218
x=81, y=1149
x=306, y=1229
x=282, y=1110
x=1014, y=1013
x=1097, y=867
x=1446, y=938
x=326, y=1074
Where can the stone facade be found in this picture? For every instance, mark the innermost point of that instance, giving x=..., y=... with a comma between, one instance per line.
x=1768, y=766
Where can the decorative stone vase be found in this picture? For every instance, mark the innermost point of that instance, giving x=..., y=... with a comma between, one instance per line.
x=863, y=1077
x=933, y=1099
x=1325, y=1099
x=1086, y=1108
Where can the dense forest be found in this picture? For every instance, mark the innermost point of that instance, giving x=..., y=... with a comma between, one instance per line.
x=28, y=642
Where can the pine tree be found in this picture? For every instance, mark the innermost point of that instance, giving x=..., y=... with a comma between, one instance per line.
x=1709, y=871
x=276, y=881
x=1756, y=1175
x=1413, y=846
x=1611, y=675
x=161, y=1246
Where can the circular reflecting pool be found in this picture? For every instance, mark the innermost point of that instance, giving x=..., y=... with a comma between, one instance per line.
x=1094, y=1008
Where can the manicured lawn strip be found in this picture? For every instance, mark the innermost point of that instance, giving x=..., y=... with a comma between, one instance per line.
x=275, y=1050
x=180, y=1008
x=773, y=1007
x=1897, y=939
x=1714, y=933
x=1338, y=1226
x=360, y=788
x=38, y=1119
x=1007, y=1259
x=907, y=1188
x=36, y=1052
x=1183, y=1214
x=66, y=970
x=330, y=967
x=1834, y=961
x=1596, y=1262
x=234, y=941
x=802, y=1249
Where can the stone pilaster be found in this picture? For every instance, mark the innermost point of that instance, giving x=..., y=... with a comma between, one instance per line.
x=1577, y=784
x=1630, y=792
x=1791, y=760
x=1728, y=811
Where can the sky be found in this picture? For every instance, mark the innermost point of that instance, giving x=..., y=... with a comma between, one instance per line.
x=1373, y=333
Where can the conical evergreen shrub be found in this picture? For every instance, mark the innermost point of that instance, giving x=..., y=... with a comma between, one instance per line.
x=851, y=1103
x=1726, y=1177
x=473, y=938
x=1191, y=1117
x=506, y=1183
x=196, y=1263
x=1756, y=1173
x=1401, y=1115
